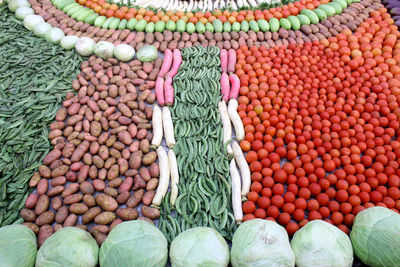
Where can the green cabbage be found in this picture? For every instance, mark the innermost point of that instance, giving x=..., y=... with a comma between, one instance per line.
x=376, y=237
x=14, y=4
x=319, y=243
x=17, y=246
x=104, y=49
x=68, y=42
x=147, y=53
x=30, y=21
x=70, y=246
x=54, y=35
x=124, y=52
x=41, y=29
x=259, y=243
x=199, y=247
x=85, y=46
x=23, y=11
x=134, y=243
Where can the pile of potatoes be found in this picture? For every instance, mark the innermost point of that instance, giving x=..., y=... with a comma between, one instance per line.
x=102, y=170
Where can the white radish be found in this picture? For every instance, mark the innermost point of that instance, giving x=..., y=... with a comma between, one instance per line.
x=157, y=126
x=168, y=127
x=190, y=6
x=253, y=3
x=226, y=124
x=233, y=5
x=235, y=118
x=236, y=199
x=173, y=166
x=164, y=176
x=244, y=168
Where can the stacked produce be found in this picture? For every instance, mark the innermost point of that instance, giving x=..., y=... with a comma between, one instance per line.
x=35, y=77
x=101, y=168
x=328, y=112
x=204, y=184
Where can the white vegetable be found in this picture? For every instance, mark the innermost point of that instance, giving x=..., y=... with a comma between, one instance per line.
x=226, y=124
x=157, y=126
x=164, y=176
x=124, y=52
x=104, y=49
x=235, y=118
x=14, y=4
x=24, y=11
x=31, y=21
x=173, y=166
x=41, y=29
x=68, y=42
x=54, y=35
x=236, y=199
x=244, y=168
x=168, y=127
x=84, y=46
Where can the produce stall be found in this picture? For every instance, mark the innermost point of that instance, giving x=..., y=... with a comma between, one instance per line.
x=199, y=133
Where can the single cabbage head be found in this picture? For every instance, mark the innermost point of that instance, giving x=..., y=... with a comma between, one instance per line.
x=14, y=4
x=104, y=49
x=68, y=42
x=30, y=21
x=124, y=52
x=319, y=243
x=23, y=11
x=17, y=246
x=147, y=53
x=70, y=246
x=259, y=243
x=41, y=29
x=376, y=237
x=199, y=247
x=54, y=35
x=134, y=243
x=85, y=46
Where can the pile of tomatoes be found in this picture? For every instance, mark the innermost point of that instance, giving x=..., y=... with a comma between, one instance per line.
x=112, y=10
x=322, y=126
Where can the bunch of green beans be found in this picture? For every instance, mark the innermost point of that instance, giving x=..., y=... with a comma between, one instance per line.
x=203, y=163
x=34, y=78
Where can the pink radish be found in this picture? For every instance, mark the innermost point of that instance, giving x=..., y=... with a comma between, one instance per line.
x=225, y=86
x=224, y=60
x=166, y=63
x=235, y=86
x=231, y=60
x=176, y=63
x=160, y=91
x=168, y=91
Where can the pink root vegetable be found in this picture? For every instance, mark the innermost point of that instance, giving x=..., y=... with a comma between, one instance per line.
x=235, y=86
x=231, y=60
x=160, y=91
x=168, y=91
x=225, y=86
x=166, y=66
x=224, y=60
x=176, y=63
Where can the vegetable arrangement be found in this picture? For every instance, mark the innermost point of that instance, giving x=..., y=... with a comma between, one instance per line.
x=204, y=187
x=35, y=77
x=102, y=167
x=315, y=109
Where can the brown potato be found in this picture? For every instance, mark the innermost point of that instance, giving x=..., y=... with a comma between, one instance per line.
x=32, y=226
x=151, y=213
x=56, y=203
x=106, y=202
x=61, y=214
x=135, y=199
x=42, y=204
x=127, y=214
x=45, y=218
x=72, y=199
x=44, y=232
x=28, y=215
x=148, y=197
x=89, y=200
x=70, y=220
x=78, y=208
x=105, y=217
x=31, y=201
x=90, y=215
x=149, y=158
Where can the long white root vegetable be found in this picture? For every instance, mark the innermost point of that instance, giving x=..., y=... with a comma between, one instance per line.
x=226, y=124
x=164, y=176
x=173, y=166
x=157, y=126
x=244, y=168
x=168, y=127
x=235, y=118
x=236, y=199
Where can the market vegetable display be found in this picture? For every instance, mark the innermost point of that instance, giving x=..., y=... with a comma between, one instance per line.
x=17, y=246
x=69, y=246
x=261, y=243
x=375, y=237
x=200, y=151
x=134, y=243
x=35, y=77
x=101, y=167
x=199, y=246
x=320, y=243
